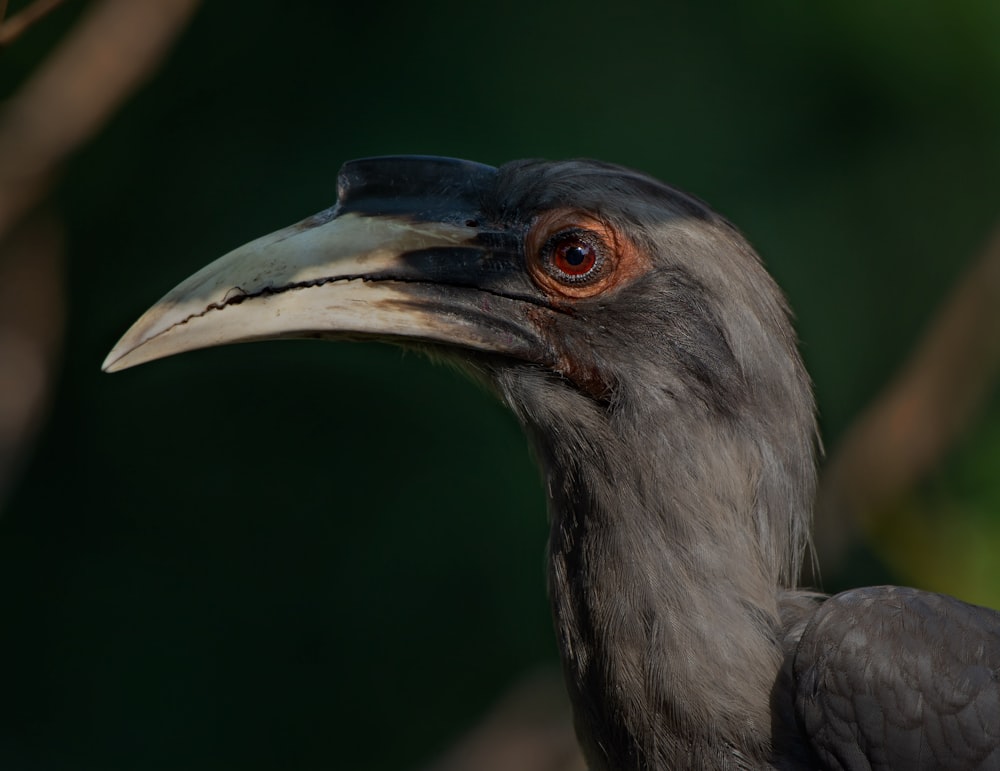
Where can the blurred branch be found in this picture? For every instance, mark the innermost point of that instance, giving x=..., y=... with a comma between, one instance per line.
x=15, y=26
x=32, y=302
x=110, y=53
x=113, y=50
x=530, y=729
x=909, y=428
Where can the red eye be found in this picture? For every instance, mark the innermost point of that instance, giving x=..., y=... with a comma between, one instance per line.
x=574, y=256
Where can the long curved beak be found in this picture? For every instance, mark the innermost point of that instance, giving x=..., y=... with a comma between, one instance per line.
x=403, y=255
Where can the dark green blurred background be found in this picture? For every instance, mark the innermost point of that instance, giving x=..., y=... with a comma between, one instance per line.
x=304, y=556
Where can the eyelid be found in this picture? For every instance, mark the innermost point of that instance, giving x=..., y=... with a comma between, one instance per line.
x=572, y=230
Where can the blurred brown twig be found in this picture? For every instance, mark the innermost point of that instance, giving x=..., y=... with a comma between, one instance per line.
x=529, y=729
x=115, y=48
x=11, y=29
x=909, y=428
x=32, y=303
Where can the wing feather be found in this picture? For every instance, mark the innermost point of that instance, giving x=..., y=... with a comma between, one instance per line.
x=893, y=678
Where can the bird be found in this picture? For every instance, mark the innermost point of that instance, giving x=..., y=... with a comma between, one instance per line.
x=652, y=362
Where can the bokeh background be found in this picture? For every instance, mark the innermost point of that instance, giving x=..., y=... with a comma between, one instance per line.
x=314, y=556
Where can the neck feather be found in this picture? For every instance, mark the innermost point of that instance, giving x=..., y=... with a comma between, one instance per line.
x=663, y=581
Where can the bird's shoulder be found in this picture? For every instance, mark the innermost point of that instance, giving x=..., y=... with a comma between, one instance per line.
x=891, y=677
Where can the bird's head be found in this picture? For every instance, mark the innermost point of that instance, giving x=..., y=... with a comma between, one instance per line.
x=625, y=322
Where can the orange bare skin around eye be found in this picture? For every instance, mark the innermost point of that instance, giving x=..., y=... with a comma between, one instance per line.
x=623, y=260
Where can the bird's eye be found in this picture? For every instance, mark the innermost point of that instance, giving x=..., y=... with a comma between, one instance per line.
x=574, y=256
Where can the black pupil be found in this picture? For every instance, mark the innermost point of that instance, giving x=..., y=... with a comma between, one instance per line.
x=576, y=255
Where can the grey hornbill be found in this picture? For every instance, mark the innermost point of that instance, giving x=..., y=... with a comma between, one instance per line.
x=650, y=358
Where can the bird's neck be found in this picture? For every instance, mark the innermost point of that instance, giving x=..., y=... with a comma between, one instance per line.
x=664, y=602
x=659, y=646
